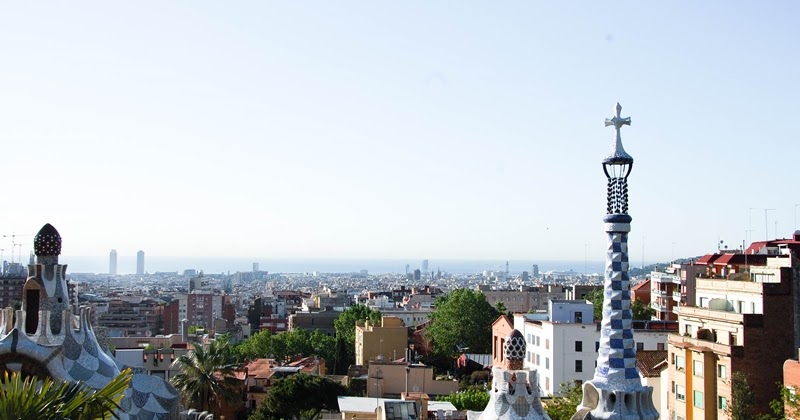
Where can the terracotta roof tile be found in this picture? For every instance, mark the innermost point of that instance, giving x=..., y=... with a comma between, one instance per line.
x=650, y=362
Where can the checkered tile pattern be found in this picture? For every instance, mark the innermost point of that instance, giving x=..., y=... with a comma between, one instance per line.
x=616, y=361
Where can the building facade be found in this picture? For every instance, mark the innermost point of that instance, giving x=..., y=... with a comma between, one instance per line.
x=387, y=341
x=743, y=320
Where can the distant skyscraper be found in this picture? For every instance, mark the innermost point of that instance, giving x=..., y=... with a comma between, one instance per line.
x=140, y=263
x=535, y=271
x=255, y=267
x=424, y=268
x=112, y=262
x=417, y=275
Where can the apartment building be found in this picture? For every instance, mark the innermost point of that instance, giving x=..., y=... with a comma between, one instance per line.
x=562, y=344
x=387, y=341
x=743, y=319
x=671, y=288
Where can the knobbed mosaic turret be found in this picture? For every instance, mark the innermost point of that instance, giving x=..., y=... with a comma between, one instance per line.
x=514, y=394
x=48, y=340
x=616, y=391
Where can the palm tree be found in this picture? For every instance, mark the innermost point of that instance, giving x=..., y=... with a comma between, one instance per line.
x=30, y=399
x=207, y=377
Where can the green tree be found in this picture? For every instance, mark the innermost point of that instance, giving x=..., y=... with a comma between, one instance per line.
x=462, y=318
x=642, y=310
x=323, y=346
x=474, y=399
x=741, y=405
x=563, y=407
x=345, y=326
x=596, y=297
x=206, y=377
x=27, y=399
x=302, y=396
x=259, y=345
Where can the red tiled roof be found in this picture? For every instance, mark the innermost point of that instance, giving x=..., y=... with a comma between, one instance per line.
x=641, y=285
x=260, y=368
x=651, y=362
x=708, y=258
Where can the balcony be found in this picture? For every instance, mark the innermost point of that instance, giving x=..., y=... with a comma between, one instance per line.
x=659, y=307
x=751, y=320
x=699, y=344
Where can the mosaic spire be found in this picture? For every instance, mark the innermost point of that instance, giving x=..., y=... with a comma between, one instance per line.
x=616, y=391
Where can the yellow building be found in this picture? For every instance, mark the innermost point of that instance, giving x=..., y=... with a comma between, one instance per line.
x=385, y=342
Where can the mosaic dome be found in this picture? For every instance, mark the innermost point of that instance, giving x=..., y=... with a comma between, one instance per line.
x=514, y=350
x=47, y=241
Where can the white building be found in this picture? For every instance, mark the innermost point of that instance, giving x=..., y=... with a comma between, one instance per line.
x=140, y=263
x=562, y=344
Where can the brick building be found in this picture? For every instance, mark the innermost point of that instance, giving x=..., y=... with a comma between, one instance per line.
x=742, y=320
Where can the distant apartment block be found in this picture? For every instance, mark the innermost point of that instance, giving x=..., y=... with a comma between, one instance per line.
x=11, y=289
x=131, y=317
x=673, y=287
x=525, y=299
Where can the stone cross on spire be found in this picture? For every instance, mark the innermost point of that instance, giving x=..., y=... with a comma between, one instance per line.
x=618, y=121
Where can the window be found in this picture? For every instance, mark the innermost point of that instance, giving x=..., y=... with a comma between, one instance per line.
x=680, y=363
x=722, y=403
x=579, y=346
x=578, y=317
x=537, y=360
x=596, y=346
x=639, y=346
x=680, y=393
x=660, y=347
x=529, y=356
x=698, y=399
x=579, y=366
x=722, y=371
x=697, y=368
x=688, y=329
x=547, y=363
x=547, y=343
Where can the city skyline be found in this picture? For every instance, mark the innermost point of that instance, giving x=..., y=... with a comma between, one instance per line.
x=385, y=131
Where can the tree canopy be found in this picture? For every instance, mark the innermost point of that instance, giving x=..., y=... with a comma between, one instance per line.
x=463, y=318
x=640, y=310
x=286, y=345
x=302, y=396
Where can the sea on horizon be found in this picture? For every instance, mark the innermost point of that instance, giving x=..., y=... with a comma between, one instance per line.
x=211, y=265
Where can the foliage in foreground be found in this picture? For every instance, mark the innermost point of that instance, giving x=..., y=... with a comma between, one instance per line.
x=564, y=407
x=474, y=399
x=300, y=396
x=207, y=377
x=26, y=399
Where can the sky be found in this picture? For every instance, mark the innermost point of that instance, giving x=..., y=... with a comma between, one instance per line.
x=415, y=129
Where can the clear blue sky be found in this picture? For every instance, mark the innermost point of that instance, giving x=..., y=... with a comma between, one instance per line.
x=395, y=129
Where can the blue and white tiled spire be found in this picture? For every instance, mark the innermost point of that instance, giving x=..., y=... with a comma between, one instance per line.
x=616, y=391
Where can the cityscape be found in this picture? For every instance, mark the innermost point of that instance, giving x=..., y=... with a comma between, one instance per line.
x=375, y=211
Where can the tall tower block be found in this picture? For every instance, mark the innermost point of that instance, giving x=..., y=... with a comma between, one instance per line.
x=112, y=262
x=616, y=391
x=140, y=263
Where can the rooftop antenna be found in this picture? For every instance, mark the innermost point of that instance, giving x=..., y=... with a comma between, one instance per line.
x=766, y=225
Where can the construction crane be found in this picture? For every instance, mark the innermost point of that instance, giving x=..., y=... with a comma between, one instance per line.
x=14, y=244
